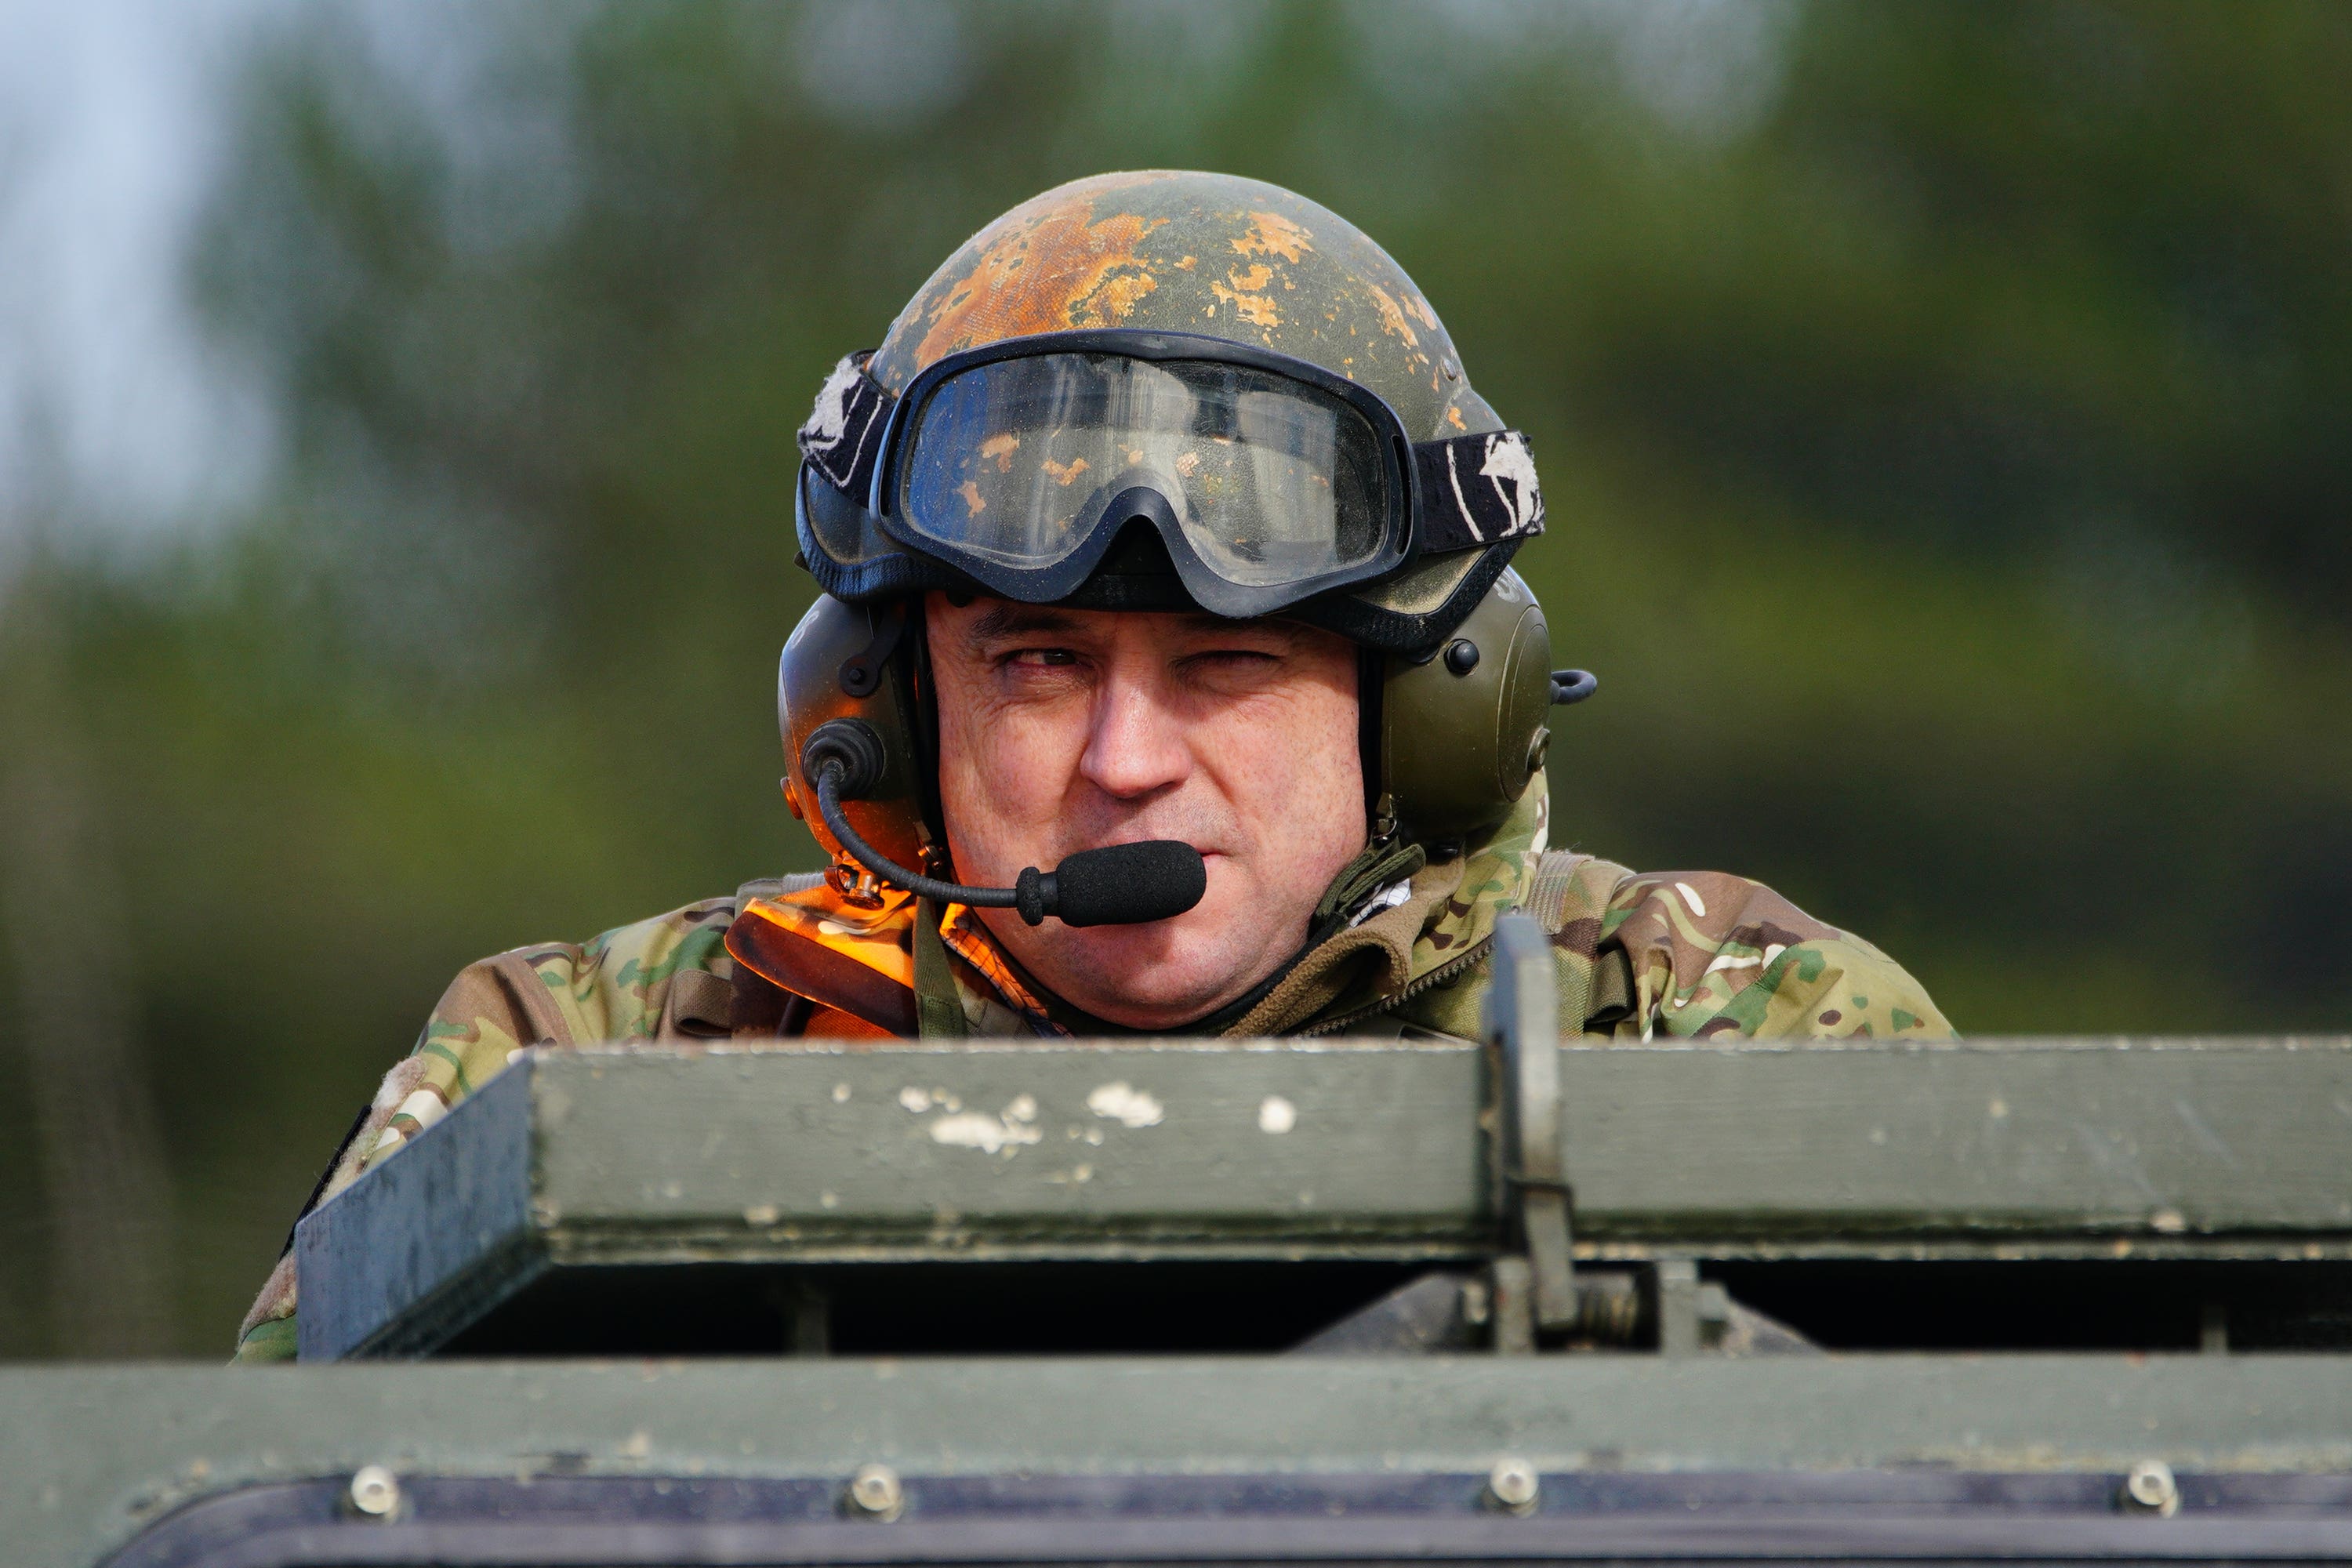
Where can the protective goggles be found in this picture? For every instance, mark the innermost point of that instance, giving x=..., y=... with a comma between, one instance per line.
x=1269, y=480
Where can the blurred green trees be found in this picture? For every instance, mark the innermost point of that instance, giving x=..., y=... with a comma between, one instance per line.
x=1943, y=409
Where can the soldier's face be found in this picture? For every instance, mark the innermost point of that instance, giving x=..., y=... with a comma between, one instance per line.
x=1070, y=729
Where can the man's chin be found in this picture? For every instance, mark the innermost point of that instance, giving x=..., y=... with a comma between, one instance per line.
x=1156, y=976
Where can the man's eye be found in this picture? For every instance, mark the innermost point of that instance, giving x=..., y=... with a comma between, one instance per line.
x=1035, y=658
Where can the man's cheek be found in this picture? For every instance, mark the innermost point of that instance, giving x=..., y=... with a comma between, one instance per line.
x=1027, y=767
x=1281, y=766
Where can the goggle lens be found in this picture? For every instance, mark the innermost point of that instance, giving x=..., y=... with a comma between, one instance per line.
x=1272, y=481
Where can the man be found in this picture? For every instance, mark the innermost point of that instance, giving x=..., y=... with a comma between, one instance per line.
x=1164, y=542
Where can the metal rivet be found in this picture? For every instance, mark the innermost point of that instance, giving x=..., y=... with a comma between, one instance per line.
x=2149, y=1487
x=1453, y=371
x=1513, y=1486
x=1539, y=749
x=874, y=1492
x=1462, y=656
x=375, y=1491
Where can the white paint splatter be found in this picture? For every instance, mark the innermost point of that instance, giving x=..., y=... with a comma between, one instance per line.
x=915, y=1100
x=978, y=1130
x=762, y=1214
x=840, y=1094
x=1128, y=1106
x=1508, y=463
x=1276, y=1115
x=831, y=420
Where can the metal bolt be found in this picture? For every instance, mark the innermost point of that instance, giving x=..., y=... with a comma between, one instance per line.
x=874, y=1492
x=1461, y=656
x=2149, y=1487
x=375, y=1491
x=1512, y=1487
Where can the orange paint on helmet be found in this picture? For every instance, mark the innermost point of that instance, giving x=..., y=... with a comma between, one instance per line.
x=1043, y=269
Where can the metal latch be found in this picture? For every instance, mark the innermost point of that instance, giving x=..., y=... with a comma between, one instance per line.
x=1522, y=1021
x=1541, y=1290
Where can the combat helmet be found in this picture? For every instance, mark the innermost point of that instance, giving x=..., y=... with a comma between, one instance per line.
x=1159, y=391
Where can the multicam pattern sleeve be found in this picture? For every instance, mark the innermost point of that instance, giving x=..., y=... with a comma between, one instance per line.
x=1681, y=954
x=1700, y=953
x=1716, y=954
x=662, y=977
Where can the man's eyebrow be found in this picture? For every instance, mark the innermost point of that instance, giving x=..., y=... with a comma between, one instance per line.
x=1008, y=620
x=1214, y=626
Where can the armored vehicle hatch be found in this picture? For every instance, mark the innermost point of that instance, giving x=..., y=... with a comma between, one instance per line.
x=1213, y=1301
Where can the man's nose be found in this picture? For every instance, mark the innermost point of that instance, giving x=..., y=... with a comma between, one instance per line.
x=1137, y=744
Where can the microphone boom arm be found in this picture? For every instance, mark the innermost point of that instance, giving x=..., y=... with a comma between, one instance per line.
x=828, y=777
x=1121, y=884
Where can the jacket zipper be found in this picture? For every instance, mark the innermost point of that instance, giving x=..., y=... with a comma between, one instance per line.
x=1413, y=988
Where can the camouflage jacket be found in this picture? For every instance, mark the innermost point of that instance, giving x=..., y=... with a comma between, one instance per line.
x=1683, y=953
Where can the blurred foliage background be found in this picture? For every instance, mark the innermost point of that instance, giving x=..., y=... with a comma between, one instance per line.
x=1943, y=409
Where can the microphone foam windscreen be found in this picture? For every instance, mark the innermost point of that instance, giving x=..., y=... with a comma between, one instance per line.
x=1128, y=884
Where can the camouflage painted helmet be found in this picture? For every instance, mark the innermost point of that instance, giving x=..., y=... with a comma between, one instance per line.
x=1234, y=295
x=1177, y=265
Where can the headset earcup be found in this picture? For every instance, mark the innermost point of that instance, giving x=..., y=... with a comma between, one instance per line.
x=849, y=661
x=1463, y=729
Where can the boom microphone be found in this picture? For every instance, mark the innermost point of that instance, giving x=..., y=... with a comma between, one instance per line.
x=1126, y=884
x=1119, y=884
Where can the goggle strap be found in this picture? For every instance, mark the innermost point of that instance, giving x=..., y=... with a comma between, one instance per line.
x=843, y=438
x=1478, y=490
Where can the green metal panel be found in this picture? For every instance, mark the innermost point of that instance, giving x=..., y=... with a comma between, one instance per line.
x=2083, y=1139
x=1164, y=1143
x=89, y=1456
x=428, y=1242
x=606, y=1155
x=1273, y=1149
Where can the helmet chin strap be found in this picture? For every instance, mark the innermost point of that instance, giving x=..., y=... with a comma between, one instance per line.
x=1121, y=884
